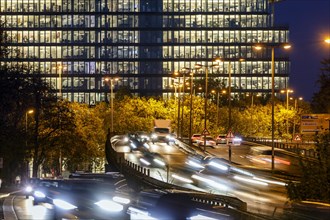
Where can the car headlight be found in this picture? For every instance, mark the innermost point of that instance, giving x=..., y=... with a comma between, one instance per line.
x=159, y=162
x=237, y=139
x=110, y=206
x=154, y=136
x=39, y=194
x=145, y=137
x=28, y=189
x=170, y=137
x=121, y=200
x=146, y=145
x=63, y=204
x=133, y=145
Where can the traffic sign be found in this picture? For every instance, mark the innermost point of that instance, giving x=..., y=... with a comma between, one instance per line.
x=297, y=137
x=205, y=132
x=230, y=134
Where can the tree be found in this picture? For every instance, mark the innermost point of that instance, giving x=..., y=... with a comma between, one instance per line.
x=19, y=89
x=315, y=180
x=321, y=99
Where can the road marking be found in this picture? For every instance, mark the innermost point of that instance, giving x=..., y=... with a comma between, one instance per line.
x=8, y=208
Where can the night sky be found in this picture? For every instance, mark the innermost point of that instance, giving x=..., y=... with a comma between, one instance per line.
x=309, y=25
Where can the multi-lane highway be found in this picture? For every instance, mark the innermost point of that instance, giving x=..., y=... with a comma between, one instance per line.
x=245, y=177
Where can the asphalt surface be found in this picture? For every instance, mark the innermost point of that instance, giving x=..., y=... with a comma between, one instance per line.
x=6, y=191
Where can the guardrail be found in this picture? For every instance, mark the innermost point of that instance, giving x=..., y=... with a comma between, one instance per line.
x=143, y=174
x=137, y=175
x=301, y=149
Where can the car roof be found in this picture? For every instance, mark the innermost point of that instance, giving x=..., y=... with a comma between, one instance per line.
x=207, y=136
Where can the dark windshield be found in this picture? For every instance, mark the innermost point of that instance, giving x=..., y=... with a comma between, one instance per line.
x=162, y=130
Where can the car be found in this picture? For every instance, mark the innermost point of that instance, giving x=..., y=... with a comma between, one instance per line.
x=136, y=143
x=89, y=199
x=162, y=135
x=221, y=139
x=30, y=186
x=153, y=159
x=42, y=190
x=143, y=136
x=195, y=138
x=209, y=141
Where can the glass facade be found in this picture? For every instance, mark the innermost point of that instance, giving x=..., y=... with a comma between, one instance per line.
x=75, y=44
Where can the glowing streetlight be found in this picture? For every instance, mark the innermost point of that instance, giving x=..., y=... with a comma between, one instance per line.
x=327, y=40
x=295, y=108
x=184, y=71
x=26, y=118
x=273, y=46
x=287, y=91
x=28, y=112
x=206, y=67
x=176, y=74
x=111, y=79
x=229, y=85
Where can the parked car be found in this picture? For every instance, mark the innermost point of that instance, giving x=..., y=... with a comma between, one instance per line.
x=221, y=139
x=195, y=138
x=209, y=141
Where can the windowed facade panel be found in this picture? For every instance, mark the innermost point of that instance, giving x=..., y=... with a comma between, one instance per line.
x=77, y=43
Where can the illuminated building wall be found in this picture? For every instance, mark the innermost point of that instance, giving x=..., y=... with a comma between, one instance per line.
x=77, y=43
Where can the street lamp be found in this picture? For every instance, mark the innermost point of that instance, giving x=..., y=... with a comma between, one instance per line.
x=191, y=106
x=295, y=108
x=183, y=73
x=198, y=66
x=111, y=79
x=26, y=118
x=327, y=40
x=26, y=139
x=177, y=74
x=252, y=97
x=217, y=92
x=59, y=69
x=229, y=86
x=259, y=47
x=287, y=91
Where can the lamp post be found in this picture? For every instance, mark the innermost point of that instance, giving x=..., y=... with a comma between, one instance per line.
x=26, y=131
x=179, y=85
x=259, y=47
x=229, y=86
x=198, y=66
x=111, y=79
x=191, y=106
x=59, y=69
x=185, y=71
x=217, y=95
x=295, y=108
x=287, y=91
x=26, y=118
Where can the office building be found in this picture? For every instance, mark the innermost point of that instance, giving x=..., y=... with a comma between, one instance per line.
x=76, y=44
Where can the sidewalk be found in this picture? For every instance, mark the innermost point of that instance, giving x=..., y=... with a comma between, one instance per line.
x=7, y=190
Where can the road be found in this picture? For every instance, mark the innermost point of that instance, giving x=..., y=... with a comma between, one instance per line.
x=261, y=197
x=16, y=206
